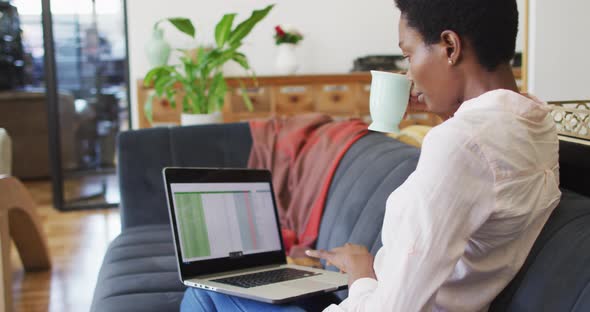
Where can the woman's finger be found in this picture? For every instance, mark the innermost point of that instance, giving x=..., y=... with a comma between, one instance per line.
x=322, y=254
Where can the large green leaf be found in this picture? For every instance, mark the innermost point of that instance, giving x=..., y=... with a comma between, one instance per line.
x=241, y=59
x=164, y=84
x=198, y=88
x=221, y=90
x=149, y=77
x=155, y=74
x=185, y=106
x=223, y=29
x=147, y=108
x=204, y=62
x=245, y=97
x=216, y=94
x=170, y=95
x=218, y=60
x=199, y=104
x=244, y=28
x=189, y=67
x=184, y=25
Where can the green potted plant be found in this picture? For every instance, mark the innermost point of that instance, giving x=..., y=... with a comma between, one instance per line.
x=198, y=79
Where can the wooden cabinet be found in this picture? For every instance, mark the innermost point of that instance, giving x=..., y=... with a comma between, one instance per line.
x=292, y=99
x=259, y=96
x=337, y=98
x=345, y=95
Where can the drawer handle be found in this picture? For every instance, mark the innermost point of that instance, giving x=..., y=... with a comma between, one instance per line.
x=252, y=91
x=335, y=88
x=293, y=89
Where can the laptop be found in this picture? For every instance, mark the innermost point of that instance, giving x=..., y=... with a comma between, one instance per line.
x=227, y=237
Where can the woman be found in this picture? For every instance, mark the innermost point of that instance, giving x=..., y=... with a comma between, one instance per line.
x=457, y=231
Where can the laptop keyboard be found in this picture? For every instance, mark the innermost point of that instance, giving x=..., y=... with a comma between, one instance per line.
x=265, y=278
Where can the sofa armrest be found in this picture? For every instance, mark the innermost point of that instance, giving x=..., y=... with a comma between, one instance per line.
x=143, y=153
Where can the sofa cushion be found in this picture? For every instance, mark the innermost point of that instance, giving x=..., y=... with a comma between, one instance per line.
x=556, y=273
x=143, y=154
x=139, y=272
x=371, y=169
x=369, y=172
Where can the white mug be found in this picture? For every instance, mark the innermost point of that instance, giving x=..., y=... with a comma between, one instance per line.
x=390, y=94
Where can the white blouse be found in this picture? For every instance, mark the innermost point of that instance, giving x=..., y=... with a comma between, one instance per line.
x=462, y=224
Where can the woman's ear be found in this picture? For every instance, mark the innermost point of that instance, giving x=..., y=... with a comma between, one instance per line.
x=452, y=45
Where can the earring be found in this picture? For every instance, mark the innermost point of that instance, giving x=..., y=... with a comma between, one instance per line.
x=450, y=62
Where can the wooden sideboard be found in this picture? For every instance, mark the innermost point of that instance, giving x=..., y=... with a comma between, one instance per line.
x=341, y=96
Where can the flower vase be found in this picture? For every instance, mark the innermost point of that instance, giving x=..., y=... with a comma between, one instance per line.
x=157, y=49
x=286, y=62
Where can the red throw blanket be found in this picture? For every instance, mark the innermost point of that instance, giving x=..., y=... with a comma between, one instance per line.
x=302, y=152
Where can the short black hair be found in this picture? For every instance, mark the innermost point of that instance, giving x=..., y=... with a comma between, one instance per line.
x=489, y=25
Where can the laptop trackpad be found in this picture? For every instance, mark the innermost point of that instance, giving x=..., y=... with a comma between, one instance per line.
x=307, y=284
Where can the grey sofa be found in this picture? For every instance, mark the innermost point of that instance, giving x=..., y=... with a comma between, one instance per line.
x=139, y=269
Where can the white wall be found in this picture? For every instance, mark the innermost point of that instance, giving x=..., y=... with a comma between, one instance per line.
x=336, y=31
x=559, y=50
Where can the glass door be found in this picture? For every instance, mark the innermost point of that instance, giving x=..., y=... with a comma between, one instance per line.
x=86, y=70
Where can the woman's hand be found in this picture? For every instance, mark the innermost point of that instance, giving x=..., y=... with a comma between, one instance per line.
x=352, y=259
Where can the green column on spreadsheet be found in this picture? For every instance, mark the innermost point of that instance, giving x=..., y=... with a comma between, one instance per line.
x=193, y=227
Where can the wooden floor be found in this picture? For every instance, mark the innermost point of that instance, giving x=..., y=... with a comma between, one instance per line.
x=77, y=243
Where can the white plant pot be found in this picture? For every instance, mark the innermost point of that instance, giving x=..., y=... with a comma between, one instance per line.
x=200, y=119
x=286, y=62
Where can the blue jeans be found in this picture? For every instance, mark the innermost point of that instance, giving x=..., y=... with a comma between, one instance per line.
x=203, y=300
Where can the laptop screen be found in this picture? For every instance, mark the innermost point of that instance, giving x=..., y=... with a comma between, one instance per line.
x=224, y=220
